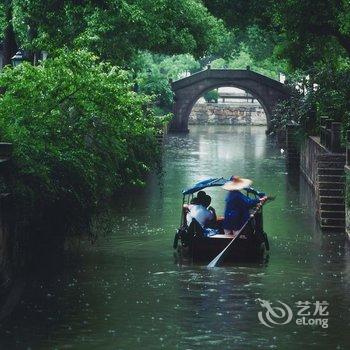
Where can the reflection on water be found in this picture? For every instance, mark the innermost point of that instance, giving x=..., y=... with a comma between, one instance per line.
x=126, y=292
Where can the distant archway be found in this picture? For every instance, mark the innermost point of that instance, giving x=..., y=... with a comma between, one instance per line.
x=188, y=90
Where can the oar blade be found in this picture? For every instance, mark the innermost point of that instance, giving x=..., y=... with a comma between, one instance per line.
x=215, y=261
x=218, y=257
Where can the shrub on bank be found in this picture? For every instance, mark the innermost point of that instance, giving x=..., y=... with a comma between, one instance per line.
x=79, y=132
x=325, y=93
x=211, y=96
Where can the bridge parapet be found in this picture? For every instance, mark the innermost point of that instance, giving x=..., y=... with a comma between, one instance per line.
x=228, y=75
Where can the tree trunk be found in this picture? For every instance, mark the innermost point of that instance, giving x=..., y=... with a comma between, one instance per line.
x=34, y=55
x=9, y=44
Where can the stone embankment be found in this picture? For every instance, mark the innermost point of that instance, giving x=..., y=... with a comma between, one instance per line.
x=227, y=114
x=347, y=190
x=322, y=160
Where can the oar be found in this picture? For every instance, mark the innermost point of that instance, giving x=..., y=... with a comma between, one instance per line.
x=220, y=256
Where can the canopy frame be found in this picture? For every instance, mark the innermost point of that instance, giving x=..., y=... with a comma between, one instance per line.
x=215, y=182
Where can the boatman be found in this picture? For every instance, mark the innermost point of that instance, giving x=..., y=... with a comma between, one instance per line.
x=238, y=205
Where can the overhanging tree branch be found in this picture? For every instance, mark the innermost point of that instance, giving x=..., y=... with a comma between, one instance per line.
x=329, y=30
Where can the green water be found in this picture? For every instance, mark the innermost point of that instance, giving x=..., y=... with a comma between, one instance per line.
x=127, y=292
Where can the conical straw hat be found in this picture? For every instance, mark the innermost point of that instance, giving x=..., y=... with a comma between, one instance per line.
x=236, y=184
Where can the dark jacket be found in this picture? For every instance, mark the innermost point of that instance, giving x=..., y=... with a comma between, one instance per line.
x=237, y=210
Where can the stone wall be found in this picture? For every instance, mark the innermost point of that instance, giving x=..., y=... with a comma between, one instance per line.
x=310, y=150
x=324, y=171
x=5, y=154
x=227, y=114
x=347, y=199
x=292, y=144
x=347, y=187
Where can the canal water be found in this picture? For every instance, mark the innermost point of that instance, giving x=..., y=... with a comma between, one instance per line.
x=126, y=291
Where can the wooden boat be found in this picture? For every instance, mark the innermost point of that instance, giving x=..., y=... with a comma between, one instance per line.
x=250, y=246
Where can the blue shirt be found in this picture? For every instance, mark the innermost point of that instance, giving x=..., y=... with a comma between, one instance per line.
x=237, y=210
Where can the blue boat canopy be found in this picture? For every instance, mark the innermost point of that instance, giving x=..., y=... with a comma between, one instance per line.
x=212, y=182
x=215, y=182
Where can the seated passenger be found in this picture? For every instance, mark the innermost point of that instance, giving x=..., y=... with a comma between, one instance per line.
x=200, y=196
x=237, y=205
x=205, y=200
x=206, y=203
x=196, y=210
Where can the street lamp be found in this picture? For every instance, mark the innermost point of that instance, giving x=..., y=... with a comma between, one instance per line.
x=18, y=58
x=136, y=87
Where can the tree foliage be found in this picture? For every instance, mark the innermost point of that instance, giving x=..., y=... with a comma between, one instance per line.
x=313, y=38
x=211, y=96
x=82, y=128
x=153, y=73
x=244, y=58
x=79, y=131
x=302, y=29
x=116, y=29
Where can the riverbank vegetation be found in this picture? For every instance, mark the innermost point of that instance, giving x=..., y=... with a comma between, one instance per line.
x=78, y=129
x=153, y=73
x=84, y=122
x=313, y=42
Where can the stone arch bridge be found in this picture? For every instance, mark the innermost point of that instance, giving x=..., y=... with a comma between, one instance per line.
x=188, y=90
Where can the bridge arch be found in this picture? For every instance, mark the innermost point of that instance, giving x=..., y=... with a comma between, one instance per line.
x=188, y=90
